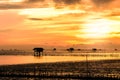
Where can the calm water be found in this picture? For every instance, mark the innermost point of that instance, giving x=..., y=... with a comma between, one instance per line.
x=10, y=60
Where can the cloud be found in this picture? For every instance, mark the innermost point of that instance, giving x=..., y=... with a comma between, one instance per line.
x=35, y=19
x=24, y=4
x=11, y=6
x=56, y=22
x=115, y=14
x=101, y=2
x=32, y=1
x=58, y=4
x=38, y=4
x=117, y=33
x=63, y=29
x=67, y=2
x=68, y=22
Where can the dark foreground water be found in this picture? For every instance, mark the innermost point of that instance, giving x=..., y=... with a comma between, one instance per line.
x=91, y=70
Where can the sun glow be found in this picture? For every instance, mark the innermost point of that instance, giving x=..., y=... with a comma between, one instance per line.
x=99, y=28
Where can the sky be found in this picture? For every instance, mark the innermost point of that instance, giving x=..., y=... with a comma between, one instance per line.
x=77, y=23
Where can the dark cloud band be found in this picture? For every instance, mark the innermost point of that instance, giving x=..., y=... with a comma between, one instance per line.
x=55, y=3
x=101, y=2
x=33, y=1
x=68, y=2
x=10, y=6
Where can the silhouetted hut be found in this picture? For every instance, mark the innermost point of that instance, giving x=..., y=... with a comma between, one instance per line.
x=38, y=51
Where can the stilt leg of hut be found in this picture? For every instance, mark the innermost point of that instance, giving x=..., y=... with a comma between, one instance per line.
x=34, y=53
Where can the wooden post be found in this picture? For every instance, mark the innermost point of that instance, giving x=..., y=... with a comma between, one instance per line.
x=87, y=66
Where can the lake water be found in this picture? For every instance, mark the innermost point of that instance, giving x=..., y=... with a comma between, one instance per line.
x=13, y=59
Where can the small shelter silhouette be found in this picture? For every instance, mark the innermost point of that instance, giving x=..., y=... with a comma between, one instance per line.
x=38, y=51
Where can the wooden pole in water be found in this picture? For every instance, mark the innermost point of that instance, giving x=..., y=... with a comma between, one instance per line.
x=87, y=66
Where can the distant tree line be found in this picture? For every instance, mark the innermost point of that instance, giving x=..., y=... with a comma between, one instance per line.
x=11, y=52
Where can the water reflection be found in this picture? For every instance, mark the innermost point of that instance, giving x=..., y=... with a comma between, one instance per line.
x=9, y=60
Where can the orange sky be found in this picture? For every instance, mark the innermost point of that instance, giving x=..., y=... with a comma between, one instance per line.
x=59, y=22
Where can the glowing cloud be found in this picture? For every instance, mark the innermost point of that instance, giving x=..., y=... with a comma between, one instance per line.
x=59, y=21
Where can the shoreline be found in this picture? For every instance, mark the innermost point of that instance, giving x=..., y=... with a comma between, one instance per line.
x=69, y=54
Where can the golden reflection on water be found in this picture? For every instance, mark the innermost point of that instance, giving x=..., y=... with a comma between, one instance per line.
x=9, y=60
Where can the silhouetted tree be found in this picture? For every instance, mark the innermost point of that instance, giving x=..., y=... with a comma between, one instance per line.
x=94, y=49
x=79, y=49
x=115, y=49
x=54, y=49
x=71, y=49
x=67, y=49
